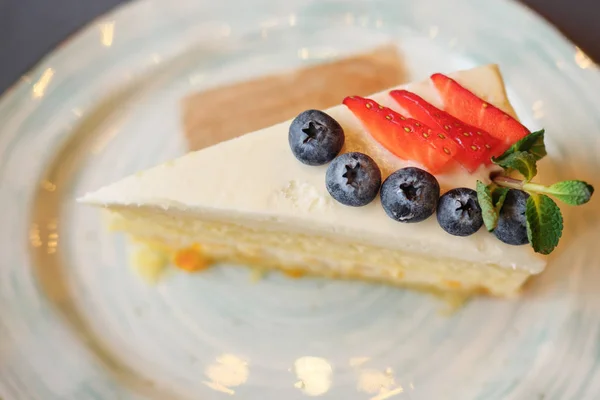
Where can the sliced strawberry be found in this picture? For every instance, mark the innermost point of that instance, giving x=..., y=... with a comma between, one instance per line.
x=405, y=137
x=476, y=145
x=469, y=108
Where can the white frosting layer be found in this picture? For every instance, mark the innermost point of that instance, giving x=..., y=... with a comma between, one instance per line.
x=255, y=180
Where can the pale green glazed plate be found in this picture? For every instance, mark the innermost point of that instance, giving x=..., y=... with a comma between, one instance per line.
x=77, y=324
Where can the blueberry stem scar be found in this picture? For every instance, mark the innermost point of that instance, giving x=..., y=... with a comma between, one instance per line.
x=311, y=132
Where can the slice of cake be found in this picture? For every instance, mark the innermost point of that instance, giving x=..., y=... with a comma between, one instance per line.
x=303, y=196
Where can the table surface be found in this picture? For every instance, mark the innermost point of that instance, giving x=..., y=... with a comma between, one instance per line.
x=31, y=28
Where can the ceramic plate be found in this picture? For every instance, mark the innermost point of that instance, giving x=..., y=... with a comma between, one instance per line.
x=77, y=323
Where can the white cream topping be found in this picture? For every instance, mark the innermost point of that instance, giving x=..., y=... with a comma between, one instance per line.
x=256, y=180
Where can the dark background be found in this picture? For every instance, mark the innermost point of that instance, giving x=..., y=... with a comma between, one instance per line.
x=31, y=28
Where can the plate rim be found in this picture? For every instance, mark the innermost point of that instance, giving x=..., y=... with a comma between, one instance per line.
x=70, y=42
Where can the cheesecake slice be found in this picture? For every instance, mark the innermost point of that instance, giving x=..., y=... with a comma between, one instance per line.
x=250, y=201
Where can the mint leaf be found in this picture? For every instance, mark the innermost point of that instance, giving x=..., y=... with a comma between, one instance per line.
x=571, y=192
x=498, y=196
x=532, y=143
x=521, y=161
x=544, y=223
x=490, y=198
x=488, y=211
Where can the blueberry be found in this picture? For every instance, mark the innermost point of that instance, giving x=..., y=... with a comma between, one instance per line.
x=353, y=179
x=410, y=195
x=512, y=223
x=315, y=138
x=459, y=213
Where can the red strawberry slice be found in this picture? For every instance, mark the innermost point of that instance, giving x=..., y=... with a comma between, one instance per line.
x=404, y=137
x=476, y=145
x=469, y=108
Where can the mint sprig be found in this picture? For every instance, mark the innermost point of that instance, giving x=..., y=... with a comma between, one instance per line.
x=544, y=219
